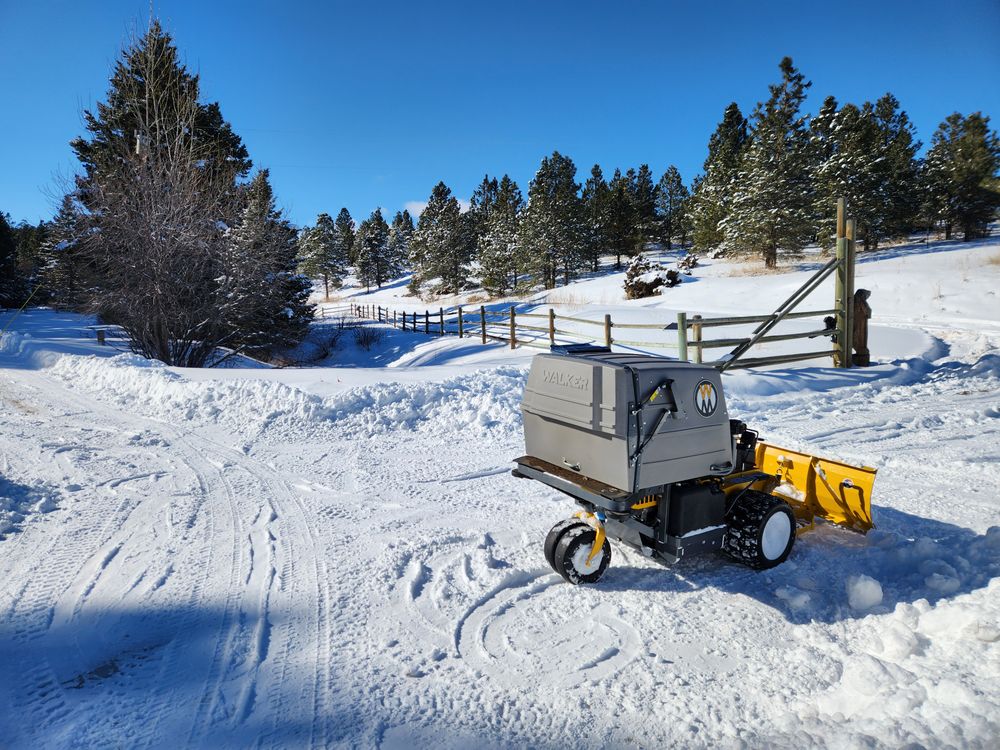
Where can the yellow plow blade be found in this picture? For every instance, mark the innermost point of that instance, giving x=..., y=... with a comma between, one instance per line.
x=820, y=488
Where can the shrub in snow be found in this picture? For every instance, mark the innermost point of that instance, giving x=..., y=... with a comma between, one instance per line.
x=366, y=337
x=863, y=592
x=644, y=279
x=688, y=262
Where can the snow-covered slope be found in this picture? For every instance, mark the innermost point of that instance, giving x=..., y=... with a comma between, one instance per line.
x=339, y=556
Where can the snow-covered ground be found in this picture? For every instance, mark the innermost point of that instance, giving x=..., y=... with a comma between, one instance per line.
x=338, y=556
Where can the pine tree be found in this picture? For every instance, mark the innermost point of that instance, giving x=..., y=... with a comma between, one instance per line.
x=64, y=271
x=400, y=236
x=961, y=174
x=500, y=257
x=160, y=182
x=671, y=207
x=263, y=297
x=595, y=197
x=772, y=203
x=553, y=221
x=147, y=108
x=711, y=200
x=643, y=194
x=901, y=167
x=12, y=291
x=323, y=254
x=345, y=233
x=371, y=245
x=620, y=223
x=440, y=246
x=865, y=155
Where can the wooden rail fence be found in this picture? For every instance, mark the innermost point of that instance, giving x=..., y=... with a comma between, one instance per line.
x=542, y=329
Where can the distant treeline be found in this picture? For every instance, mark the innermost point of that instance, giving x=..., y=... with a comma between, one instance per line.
x=769, y=186
x=163, y=233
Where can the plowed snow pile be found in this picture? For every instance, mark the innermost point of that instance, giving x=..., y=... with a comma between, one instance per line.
x=275, y=559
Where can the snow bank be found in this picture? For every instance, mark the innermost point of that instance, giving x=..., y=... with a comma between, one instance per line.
x=481, y=400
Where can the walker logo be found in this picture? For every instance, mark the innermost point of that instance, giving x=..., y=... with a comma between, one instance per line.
x=705, y=398
x=565, y=379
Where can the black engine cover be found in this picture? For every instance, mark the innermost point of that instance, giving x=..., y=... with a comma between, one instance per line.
x=696, y=506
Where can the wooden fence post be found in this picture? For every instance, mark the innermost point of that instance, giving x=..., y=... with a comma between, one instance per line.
x=441, y=319
x=513, y=329
x=607, y=330
x=682, y=336
x=427, y=322
x=100, y=336
x=482, y=321
x=461, y=331
x=552, y=327
x=841, y=303
x=696, y=329
x=414, y=326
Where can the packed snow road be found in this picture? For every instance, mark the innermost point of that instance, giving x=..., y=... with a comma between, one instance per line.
x=236, y=561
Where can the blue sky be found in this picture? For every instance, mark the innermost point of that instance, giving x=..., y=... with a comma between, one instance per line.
x=364, y=105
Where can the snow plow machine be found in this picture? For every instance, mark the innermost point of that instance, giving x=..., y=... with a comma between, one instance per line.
x=646, y=447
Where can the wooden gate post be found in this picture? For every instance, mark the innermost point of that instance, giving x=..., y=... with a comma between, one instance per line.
x=552, y=327
x=513, y=329
x=696, y=330
x=682, y=337
x=607, y=330
x=482, y=320
x=461, y=331
x=842, y=358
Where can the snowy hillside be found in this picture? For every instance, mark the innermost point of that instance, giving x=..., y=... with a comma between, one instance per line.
x=338, y=556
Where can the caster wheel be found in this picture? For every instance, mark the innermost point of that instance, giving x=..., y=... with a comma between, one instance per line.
x=571, y=555
x=761, y=530
x=553, y=539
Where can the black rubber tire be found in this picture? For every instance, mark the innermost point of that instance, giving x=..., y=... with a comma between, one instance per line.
x=746, y=521
x=555, y=534
x=570, y=544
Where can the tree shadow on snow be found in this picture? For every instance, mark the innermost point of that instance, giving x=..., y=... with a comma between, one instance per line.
x=159, y=676
x=910, y=557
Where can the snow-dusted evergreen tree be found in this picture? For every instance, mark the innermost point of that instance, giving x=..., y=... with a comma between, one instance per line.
x=345, y=234
x=901, y=168
x=160, y=180
x=643, y=192
x=553, y=222
x=961, y=174
x=596, y=204
x=371, y=248
x=400, y=235
x=64, y=272
x=501, y=261
x=772, y=197
x=866, y=156
x=645, y=279
x=671, y=207
x=619, y=228
x=440, y=246
x=484, y=197
x=711, y=200
x=264, y=299
x=323, y=255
